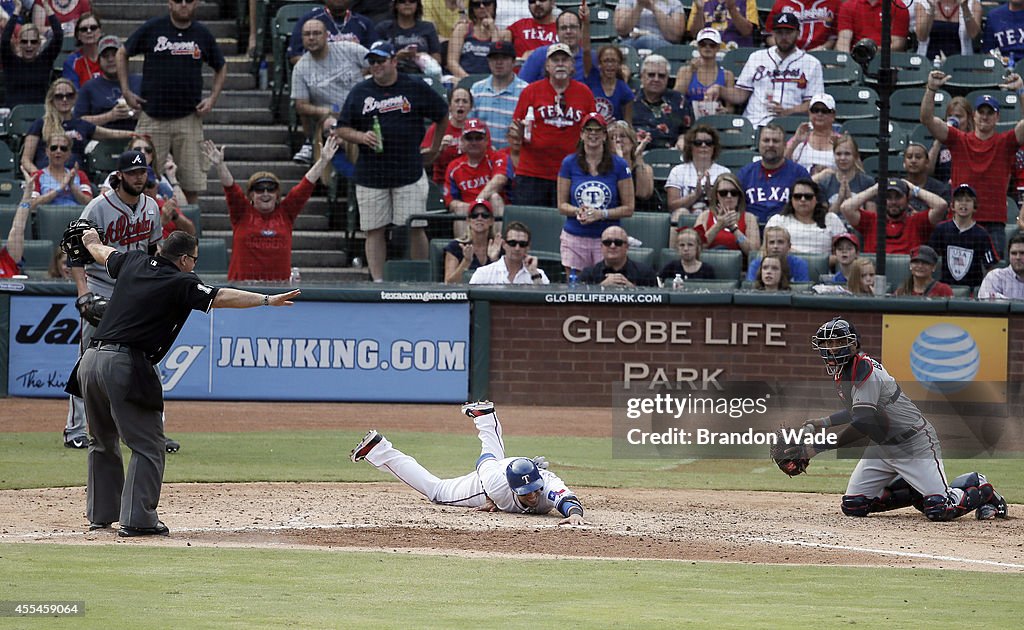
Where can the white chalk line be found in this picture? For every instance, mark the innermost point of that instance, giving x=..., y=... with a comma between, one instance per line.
x=884, y=552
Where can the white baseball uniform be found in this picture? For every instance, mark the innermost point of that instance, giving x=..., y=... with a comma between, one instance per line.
x=472, y=489
x=770, y=78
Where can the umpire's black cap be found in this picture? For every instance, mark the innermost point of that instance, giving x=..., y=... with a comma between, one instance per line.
x=131, y=161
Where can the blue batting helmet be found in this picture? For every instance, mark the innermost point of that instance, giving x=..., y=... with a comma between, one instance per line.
x=523, y=476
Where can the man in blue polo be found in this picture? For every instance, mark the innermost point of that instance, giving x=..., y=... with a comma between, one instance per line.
x=495, y=98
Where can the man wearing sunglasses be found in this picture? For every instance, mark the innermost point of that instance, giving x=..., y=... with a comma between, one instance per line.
x=663, y=113
x=517, y=266
x=779, y=81
x=175, y=48
x=27, y=66
x=617, y=270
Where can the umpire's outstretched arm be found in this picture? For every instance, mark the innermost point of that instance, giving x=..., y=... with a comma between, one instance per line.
x=226, y=297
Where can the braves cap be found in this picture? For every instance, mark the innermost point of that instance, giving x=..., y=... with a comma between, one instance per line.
x=108, y=41
x=501, y=48
x=786, y=20
x=131, y=161
x=558, y=48
x=380, y=49
x=709, y=33
x=848, y=236
x=986, y=99
x=897, y=185
x=925, y=254
x=965, y=188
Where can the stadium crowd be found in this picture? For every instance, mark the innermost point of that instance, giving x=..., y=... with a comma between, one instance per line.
x=750, y=132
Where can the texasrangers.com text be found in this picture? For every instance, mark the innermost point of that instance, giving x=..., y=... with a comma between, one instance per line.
x=669, y=405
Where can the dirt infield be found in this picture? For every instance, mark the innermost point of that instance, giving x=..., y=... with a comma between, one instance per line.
x=692, y=525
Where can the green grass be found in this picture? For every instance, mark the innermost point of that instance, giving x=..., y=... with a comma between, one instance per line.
x=259, y=588
x=33, y=460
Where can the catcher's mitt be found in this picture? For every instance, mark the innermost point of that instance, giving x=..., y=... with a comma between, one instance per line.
x=92, y=307
x=791, y=458
x=71, y=242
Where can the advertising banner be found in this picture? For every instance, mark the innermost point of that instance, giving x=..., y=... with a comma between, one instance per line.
x=327, y=351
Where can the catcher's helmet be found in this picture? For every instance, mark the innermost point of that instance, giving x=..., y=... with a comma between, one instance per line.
x=523, y=476
x=837, y=342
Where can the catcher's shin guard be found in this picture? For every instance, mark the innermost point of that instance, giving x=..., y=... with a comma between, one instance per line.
x=988, y=493
x=898, y=494
x=953, y=505
x=856, y=505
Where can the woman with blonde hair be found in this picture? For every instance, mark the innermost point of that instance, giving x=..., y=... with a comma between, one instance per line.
x=56, y=184
x=689, y=266
x=478, y=247
x=726, y=224
x=471, y=39
x=846, y=178
x=630, y=144
x=862, y=277
x=58, y=118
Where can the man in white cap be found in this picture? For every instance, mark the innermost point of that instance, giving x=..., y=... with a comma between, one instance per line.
x=779, y=81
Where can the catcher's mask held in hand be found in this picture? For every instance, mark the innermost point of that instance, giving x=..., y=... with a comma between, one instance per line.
x=837, y=342
x=71, y=243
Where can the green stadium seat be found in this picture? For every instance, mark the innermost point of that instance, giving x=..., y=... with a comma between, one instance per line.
x=213, y=256
x=51, y=221
x=602, y=25
x=7, y=219
x=913, y=69
x=905, y=104
x=18, y=123
x=817, y=264
x=102, y=160
x=545, y=229
x=1012, y=211
x=921, y=135
x=728, y=263
x=677, y=54
x=38, y=254
x=854, y=102
x=281, y=31
x=407, y=271
x=662, y=161
x=649, y=227
x=735, y=159
x=8, y=165
x=972, y=72
x=736, y=58
x=897, y=270
x=865, y=134
x=895, y=163
x=644, y=255
x=10, y=189
x=790, y=124
x=194, y=215
x=735, y=132
x=838, y=68
x=468, y=81
x=699, y=284
x=436, y=259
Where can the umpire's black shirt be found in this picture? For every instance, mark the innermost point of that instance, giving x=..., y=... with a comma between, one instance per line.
x=152, y=299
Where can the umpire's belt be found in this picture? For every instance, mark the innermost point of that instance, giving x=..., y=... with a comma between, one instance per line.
x=111, y=347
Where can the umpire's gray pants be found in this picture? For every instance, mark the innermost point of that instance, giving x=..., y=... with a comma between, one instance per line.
x=106, y=377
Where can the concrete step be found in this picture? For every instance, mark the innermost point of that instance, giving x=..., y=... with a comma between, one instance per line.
x=235, y=134
x=239, y=116
x=304, y=240
x=244, y=99
x=287, y=170
x=123, y=27
x=142, y=10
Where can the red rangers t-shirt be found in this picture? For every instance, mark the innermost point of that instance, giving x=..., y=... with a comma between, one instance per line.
x=527, y=34
x=985, y=165
x=447, y=153
x=902, y=236
x=262, y=243
x=556, y=126
x=464, y=182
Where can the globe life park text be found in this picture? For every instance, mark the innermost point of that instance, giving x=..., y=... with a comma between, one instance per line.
x=583, y=329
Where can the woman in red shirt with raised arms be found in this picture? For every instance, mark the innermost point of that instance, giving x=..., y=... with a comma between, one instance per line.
x=261, y=221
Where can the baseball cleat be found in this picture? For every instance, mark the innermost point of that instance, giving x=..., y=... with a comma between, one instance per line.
x=132, y=532
x=370, y=440
x=95, y=526
x=172, y=446
x=477, y=409
x=77, y=443
x=990, y=511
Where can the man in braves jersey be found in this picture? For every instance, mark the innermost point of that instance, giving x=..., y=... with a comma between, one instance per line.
x=558, y=105
x=779, y=81
x=342, y=24
x=905, y=230
x=175, y=48
x=128, y=220
x=818, y=21
x=966, y=247
x=508, y=484
x=477, y=175
x=535, y=31
x=902, y=464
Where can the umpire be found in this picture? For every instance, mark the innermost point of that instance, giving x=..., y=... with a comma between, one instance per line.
x=152, y=298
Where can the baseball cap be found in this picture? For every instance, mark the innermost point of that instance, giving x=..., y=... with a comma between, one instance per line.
x=501, y=48
x=786, y=20
x=824, y=99
x=986, y=99
x=965, y=188
x=925, y=254
x=897, y=185
x=558, y=48
x=848, y=236
x=594, y=116
x=475, y=125
x=131, y=161
x=709, y=33
x=483, y=202
x=380, y=49
x=108, y=41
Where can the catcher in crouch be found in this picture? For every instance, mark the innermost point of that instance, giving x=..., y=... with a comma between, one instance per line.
x=509, y=484
x=902, y=465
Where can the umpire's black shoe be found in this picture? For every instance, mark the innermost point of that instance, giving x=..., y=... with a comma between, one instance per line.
x=77, y=443
x=94, y=526
x=172, y=446
x=131, y=532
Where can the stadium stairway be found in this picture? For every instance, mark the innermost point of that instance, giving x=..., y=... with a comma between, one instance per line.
x=242, y=120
